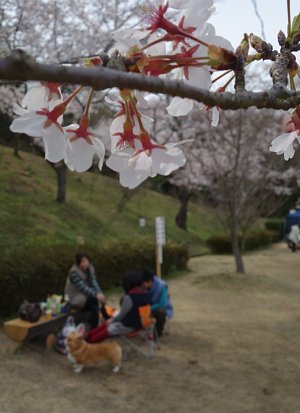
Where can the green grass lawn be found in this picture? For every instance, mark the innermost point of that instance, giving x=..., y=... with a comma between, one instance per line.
x=29, y=213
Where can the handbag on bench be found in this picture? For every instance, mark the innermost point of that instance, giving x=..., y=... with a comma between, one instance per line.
x=30, y=311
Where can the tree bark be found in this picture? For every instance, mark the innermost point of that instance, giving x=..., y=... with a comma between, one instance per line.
x=16, y=145
x=236, y=250
x=61, y=176
x=181, y=217
x=21, y=66
x=126, y=196
x=61, y=179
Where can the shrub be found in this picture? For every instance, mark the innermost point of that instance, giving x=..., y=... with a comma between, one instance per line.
x=221, y=244
x=33, y=273
x=259, y=239
x=275, y=225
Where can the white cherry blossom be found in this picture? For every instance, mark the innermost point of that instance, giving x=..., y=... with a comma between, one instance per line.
x=134, y=167
x=54, y=143
x=82, y=145
x=196, y=13
x=41, y=95
x=199, y=77
x=29, y=123
x=45, y=124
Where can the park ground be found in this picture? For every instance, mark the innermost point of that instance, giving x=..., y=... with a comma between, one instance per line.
x=233, y=347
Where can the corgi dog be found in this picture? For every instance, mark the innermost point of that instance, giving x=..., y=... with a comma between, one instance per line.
x=81, y=353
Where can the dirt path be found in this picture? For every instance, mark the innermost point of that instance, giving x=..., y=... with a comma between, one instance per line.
x=234, y=347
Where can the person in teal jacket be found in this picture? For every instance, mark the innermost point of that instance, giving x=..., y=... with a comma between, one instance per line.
x=161, y=305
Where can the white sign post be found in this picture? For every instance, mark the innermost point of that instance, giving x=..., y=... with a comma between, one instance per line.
x=142, y=222
x=160, y=235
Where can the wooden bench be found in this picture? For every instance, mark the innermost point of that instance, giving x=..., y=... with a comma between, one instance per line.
x=19, y=330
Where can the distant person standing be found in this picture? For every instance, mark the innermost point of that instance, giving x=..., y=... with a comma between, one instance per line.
x=161, y=306
x=83, y=289
x=294, y=237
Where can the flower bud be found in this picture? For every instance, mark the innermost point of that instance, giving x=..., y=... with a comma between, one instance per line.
x=243, y=48
x=256, y=42
x=220, y=59
x=281, y=38
x=259, y=44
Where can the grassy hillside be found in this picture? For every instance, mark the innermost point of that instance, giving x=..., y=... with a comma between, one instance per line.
x=30, y=215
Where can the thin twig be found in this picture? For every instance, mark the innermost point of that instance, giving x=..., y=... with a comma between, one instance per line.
x=289, y=16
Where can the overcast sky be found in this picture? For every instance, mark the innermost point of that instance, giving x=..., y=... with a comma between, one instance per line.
x=235, y=17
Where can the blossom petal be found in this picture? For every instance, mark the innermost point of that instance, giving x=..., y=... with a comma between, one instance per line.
x=180, y=106
x=36, y=98
x=141, y=162
x=99, y=150
x=153, y=100
x=215, y=116
x=79, y=154
x=133, y=170
x=198, y=12
x=118, y=160
x=29, y=123
x=131, y=178
x=18, y=110
x=55, y=143
x=283, y=144
x=200, y=77
x=220, y=41
x=166, y=161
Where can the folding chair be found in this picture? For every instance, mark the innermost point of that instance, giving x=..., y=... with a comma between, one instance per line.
x=146, y=336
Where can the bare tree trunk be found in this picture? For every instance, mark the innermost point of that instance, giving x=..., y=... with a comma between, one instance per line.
x=61, y=179
x=126, y=196
x=235, y=221
x=239, y=263
x=236, y=250
x=61, y=176
x=16, y=145
x=181, y=217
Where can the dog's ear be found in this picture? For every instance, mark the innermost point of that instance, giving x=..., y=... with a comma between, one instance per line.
x=80, y=329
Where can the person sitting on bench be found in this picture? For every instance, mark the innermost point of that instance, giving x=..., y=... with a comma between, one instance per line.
x=161, y=305
x=127, y=319
x=82, y=287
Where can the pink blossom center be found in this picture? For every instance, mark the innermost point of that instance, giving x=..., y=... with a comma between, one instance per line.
x=148, y=146
x=81, y=133
x=157, y=20
x=52, y=87
x=52, y=115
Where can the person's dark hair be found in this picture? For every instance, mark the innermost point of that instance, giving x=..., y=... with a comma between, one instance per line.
x=132, y=279
x=147, y=274
x=80, y=255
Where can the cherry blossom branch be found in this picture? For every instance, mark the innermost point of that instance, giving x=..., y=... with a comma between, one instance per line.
x=20, y=66
x=239, y=74
x=278, y=71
